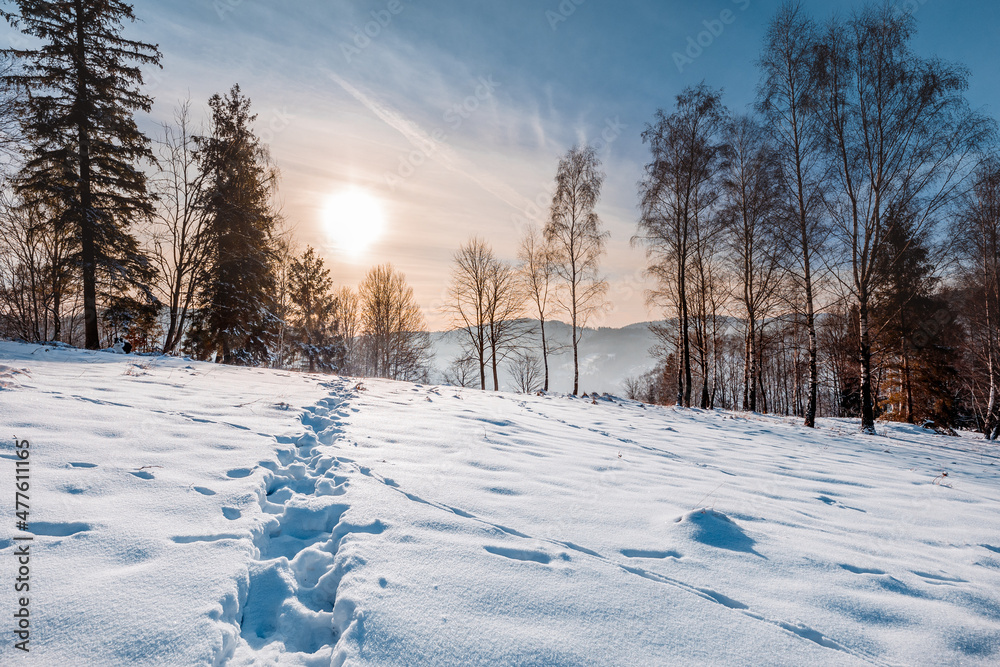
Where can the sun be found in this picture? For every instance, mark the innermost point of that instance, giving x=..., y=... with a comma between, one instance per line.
x=353, y=220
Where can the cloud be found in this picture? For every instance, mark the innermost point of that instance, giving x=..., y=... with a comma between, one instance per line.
x=425, y=143
x=356, y=121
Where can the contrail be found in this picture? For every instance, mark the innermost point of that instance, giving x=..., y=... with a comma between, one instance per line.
x=422, y=141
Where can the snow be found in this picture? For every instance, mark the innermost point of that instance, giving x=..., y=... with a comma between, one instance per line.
x=188, y=513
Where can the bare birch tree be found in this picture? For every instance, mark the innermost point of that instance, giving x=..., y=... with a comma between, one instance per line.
x=751, y=208
x=394, y=336
x=786, y=96
x=981, y=235
x=675, y=192
x=900, y=134
x=537, y=276
x=284, y=250
x=526, y=371
x=505, y=329
x=346, y=317
x=24, y=298
x=462, y=372
x=708, y=295
x=468, y=295
x=37, y=271
x=180, y=248
x=485, y=303
x=577, y=241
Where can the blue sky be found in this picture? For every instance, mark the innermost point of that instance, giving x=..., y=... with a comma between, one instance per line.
x=529, y=79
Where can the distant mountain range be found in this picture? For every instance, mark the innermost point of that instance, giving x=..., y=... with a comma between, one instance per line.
x=607, y=356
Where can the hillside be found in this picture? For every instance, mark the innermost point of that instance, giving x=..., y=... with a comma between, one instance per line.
x=186, y=513
x=607, y=356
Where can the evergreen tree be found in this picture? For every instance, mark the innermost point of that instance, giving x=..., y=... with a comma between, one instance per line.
x=79, y=90
x=918, y=355
x=314, y=327
x=236, y=321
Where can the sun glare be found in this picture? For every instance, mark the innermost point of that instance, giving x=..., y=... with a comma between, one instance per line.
x=353, y=220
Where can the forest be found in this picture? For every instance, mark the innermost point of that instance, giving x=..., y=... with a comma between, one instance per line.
x=830, y=251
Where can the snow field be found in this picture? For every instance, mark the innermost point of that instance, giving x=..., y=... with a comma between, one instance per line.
x=194, y=514
x=144, y=513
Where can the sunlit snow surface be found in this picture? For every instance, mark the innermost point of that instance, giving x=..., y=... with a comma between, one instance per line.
x=188, y=513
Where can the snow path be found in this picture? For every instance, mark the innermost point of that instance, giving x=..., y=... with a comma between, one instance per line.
x=292, y=613
x=291, y=604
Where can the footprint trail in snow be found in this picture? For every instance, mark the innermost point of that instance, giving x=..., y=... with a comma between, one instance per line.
x=291, y=603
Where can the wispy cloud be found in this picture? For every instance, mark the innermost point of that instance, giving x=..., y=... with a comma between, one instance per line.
x=424, y=141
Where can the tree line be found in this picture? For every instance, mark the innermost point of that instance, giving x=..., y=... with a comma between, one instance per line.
x=498, y=305
x=176, y=242
x=832, y=250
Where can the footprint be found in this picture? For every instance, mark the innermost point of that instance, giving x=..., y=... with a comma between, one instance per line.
x=142, y=474
x=50, y=529
x=835, y=503
x=860, y=570
x=939, y=578
x=83, y=465
x=724, y=600
x=583, y=550
x=204, y=491
x=231, y=513
x=501, y=491
x=520, y=554
x=642, y=553
x=239, y=473
x=189, y=539
x=462, y=513
x=504, y=529
x=806, y=632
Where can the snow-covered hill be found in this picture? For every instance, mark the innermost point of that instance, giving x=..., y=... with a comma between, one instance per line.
x=188, y=514
x=607, y=356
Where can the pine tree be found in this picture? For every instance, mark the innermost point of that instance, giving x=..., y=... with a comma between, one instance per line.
x=314, y=327
x=236, y=321
x=79, y=90
x=918, y=354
